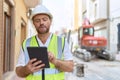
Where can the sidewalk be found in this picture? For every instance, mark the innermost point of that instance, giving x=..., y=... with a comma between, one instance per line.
x=69, y=76
x=11, y=76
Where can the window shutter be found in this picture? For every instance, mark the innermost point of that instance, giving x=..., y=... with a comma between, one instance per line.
x=6, y=8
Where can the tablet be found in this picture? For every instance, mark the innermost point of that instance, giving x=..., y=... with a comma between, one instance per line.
x=40, y=53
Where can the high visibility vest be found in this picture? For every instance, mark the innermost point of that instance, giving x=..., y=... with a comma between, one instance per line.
x=55, y=46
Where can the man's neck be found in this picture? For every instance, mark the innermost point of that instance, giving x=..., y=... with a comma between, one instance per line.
x=43, y=37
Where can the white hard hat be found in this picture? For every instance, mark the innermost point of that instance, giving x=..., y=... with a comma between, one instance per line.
x=40, y=9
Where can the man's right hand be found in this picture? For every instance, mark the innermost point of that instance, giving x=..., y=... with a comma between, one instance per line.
x=33, y=66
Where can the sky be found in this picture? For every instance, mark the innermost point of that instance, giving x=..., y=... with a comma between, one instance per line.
x=62, y=11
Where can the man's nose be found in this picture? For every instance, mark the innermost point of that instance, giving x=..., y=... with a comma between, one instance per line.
x=41, y=21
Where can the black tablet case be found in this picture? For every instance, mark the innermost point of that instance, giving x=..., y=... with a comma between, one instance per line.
x=40, y=53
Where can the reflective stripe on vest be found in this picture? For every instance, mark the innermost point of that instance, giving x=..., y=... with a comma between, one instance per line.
x=33, y=42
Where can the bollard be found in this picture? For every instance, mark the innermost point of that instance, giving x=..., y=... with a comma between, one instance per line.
x=80, y=70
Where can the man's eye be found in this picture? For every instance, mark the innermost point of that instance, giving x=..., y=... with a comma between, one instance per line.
x=45, y=19
x=37, y=20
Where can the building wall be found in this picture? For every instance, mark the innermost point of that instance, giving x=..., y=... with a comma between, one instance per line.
x=100, y=29
x=97, y=10
x=114, y=9
x=114, y=20
x=76, y=14
x=20, y=13
x=114, y=34
x=1, y=38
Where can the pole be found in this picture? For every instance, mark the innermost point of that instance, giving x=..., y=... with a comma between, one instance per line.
x=43, y=74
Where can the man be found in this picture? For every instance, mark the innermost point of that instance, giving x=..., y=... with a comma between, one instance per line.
x=42, y=19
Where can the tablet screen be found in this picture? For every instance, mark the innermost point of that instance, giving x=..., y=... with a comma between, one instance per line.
x=40, y=53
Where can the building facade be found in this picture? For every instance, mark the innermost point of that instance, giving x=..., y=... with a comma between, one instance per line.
x=77, y=13
x=114, y=25
x=104, y=15
x=13, y=24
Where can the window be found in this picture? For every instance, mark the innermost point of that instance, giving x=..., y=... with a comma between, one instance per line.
x=88, y=31
x=7, y=43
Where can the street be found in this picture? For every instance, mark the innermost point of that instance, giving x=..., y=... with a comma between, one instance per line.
x=98, y=69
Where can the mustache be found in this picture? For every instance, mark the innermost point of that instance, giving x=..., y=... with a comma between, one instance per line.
x=42, y=25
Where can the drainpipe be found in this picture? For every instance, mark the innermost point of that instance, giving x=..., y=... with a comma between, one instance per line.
x=108, y=24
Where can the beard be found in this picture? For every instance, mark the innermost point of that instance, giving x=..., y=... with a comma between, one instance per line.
x=42, y=30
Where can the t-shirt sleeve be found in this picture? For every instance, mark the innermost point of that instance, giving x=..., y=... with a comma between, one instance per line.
x=21, y=59
x=67, y=52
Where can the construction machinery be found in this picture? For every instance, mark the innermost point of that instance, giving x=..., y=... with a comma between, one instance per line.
x=91, y=46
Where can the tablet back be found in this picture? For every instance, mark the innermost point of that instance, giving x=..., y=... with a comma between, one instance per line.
x=40, y=53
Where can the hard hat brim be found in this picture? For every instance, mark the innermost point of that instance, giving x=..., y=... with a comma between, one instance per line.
x=32, y=16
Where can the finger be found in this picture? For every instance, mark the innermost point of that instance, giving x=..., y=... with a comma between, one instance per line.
x=40, y=66
x=37, y=63
x=51, y=56
x=32, y=60
x=37, y=68
x=48, y=53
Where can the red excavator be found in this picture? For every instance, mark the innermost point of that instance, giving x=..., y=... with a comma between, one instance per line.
x=89, y=45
